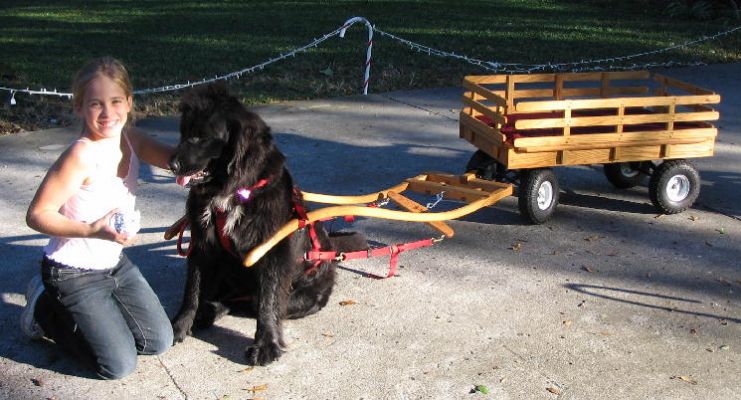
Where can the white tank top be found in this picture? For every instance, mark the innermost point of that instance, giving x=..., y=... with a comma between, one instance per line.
x=89, y=204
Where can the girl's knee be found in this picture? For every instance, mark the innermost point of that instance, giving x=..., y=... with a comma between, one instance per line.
x=159, y=346
x=118, y=367
x=159, y=343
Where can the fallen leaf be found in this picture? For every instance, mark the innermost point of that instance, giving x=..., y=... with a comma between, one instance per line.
x=482, y=389
x=658, y=216
x=587, y=268
x=502, y=380
x=709, y=350
x=516, y=247
x=248, y=369
x=327, y=72
x=725, y=347
x=567, y=323
x=722, y=231
x=348, y=302
x=553, y=390
x=724, y=281
x=685, y=379
x=593, y=238
x=259, y=388
x=327, y=334
x=693, y=331
x=693, y=218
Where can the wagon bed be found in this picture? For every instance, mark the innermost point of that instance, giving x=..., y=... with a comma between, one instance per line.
x=527, y=122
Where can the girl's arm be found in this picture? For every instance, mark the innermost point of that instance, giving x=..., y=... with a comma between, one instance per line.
x=149, y=150
x=61, y=182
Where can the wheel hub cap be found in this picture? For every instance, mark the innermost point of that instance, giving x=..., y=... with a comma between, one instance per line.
x=678, y=188
x=545, y=195
x=628, y=171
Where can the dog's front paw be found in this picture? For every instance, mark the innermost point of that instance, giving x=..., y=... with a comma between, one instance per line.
x=263, y=353
x=179, y=332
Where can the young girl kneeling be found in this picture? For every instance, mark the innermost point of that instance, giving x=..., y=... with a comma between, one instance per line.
x=94, y=302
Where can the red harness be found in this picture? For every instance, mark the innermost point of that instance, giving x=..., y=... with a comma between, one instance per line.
x=316, y=245
x=393, y=250
x=316, y=255
x=244, y=195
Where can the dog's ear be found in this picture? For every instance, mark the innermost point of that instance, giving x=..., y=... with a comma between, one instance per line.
x=252, y=146
x=242, y=132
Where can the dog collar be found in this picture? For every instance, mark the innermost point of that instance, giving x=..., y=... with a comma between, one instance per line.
x=244, y=194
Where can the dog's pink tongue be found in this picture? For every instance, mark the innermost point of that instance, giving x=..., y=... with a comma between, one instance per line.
x=182, y=180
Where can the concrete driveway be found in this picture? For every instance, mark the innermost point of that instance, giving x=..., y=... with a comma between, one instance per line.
x=606, y=301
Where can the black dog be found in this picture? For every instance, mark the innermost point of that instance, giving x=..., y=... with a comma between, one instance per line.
x=240, y=194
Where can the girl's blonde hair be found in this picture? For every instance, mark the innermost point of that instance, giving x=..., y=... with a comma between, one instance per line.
x=104, y=66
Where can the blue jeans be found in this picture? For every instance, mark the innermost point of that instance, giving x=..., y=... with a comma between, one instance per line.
x=104, y=317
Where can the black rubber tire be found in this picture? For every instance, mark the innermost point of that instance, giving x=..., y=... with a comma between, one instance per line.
x=625, y=175
x=483, y=165
x=674, y=186
x=531, y=182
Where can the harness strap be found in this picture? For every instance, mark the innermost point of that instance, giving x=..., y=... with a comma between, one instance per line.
x=303, y=218
x=244, y=195
x=392, y=250
x=299, y=208
x=226, y=243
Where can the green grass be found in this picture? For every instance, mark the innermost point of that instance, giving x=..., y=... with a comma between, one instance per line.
x=43, y=43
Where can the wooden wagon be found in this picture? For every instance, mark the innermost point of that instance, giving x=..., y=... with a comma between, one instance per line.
x=635, y=123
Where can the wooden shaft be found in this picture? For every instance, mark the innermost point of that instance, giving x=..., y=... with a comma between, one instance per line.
x=173, y=230
x=412, y=206
x=330, y=212
x=362, y=199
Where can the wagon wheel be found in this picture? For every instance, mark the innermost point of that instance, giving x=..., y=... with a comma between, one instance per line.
x=627, y=174
x=538, y=194
x=483, y=165
x=674, y=186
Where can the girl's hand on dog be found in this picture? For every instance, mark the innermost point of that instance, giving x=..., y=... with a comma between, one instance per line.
x=101, y=229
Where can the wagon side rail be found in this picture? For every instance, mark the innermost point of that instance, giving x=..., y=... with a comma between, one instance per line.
x=512, y=88
x=671, y=120
x=481, y=104
x=486, y=109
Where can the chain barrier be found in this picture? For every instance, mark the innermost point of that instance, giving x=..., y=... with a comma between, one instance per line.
x=495, y=66
x=490, y=66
